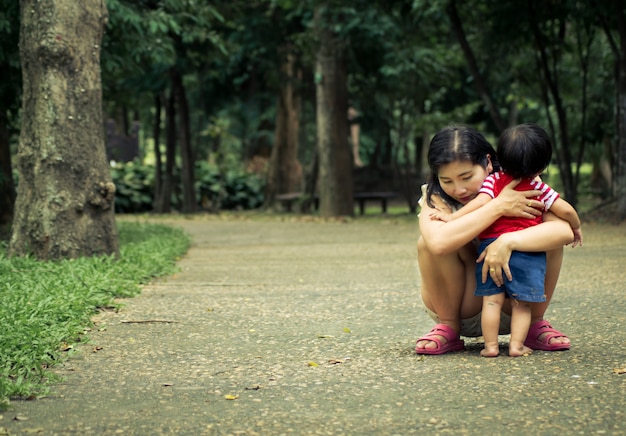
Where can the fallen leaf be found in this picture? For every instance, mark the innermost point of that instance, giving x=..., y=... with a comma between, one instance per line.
x=347, y=330
x=311, y=363
x=231, y=397
x=35, y=430
x=621, y=370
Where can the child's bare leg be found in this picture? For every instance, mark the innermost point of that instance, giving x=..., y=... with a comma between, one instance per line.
x=490, y=323
x=520, y=323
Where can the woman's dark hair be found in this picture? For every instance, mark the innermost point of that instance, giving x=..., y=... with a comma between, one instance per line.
x=524, y=150
x=451, y=144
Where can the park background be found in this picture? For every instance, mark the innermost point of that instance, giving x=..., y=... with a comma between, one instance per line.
x=176, y=107
x=229, y=105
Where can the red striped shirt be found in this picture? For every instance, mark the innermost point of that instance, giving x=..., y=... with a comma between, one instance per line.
x=494, y=184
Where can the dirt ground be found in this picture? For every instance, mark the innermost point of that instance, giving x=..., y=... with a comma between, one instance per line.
x=298, y=326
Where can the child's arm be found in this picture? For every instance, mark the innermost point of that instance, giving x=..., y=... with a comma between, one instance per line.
x=565, y=211
x=480, y=200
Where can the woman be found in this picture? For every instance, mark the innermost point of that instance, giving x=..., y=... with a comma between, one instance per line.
x=460, y=158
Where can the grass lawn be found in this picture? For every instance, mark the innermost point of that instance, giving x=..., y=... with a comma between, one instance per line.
x=47, y=306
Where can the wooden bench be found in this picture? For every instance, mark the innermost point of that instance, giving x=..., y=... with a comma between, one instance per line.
x=289, y=198
x=383, y=197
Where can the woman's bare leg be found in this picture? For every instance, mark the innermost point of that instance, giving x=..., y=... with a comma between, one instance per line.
x=553, y=269
x=448, y=284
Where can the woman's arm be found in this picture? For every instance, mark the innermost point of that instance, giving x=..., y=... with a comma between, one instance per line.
x=446, y=237
x=479, y=201
x=549, y=235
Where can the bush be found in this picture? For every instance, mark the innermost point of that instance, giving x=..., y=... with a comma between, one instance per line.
x=233, y=190
x=134, y=187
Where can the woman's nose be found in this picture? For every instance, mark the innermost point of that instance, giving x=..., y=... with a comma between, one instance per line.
x=460, y=189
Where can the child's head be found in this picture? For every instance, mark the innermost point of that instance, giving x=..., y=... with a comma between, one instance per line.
x=524, y=151
x=457, y=144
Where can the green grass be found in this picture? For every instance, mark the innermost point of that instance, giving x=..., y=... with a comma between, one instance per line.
x=47, y=306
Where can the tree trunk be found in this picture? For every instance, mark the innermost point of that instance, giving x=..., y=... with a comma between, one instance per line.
x=7, y=187
x=481, y=85
x=64, y=205
x=620, y=173
x=167, y=187
x=551, y=83
x=158, y=160
x=335, y=164
x=186, y=152
x=285, y=172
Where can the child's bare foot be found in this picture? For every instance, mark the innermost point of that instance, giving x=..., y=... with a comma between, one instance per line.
x=490, y=351
x=517, y=350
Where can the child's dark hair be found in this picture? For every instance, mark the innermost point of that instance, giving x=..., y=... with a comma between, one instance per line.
x=451, y=144
x=524, y=150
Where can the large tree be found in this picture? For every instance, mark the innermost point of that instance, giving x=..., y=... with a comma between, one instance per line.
x=621, y=114
x=64, y=205
x=335, y=157
x=284, y=173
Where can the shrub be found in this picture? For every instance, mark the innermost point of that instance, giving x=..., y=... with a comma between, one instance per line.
x=232, y=189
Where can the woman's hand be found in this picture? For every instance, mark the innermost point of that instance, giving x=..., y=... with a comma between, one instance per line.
x=519, y=203
x=496, y=257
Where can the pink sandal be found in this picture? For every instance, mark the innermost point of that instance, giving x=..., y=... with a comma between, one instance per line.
x=453, y=341
x=538, y=329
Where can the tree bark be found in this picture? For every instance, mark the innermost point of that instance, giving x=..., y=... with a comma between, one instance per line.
x=164, y=201
x=335, y=157
x=186, y=152
x=479, y=81
x=64, y=205
x=620, y=173
x=158, y=160
x=551, y=83
x=285, y=172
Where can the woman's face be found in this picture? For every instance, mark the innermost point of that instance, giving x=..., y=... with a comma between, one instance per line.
x=462, y=180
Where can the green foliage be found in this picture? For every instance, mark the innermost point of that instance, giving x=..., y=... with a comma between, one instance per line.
x=46, y=307
x=232, y=189
x=134, y=187
x=243, y=191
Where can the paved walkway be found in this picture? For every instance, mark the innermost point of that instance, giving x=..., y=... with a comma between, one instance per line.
x=295, y=327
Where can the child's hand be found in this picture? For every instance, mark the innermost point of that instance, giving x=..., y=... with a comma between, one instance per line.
x=578, y=237
x=441, y=216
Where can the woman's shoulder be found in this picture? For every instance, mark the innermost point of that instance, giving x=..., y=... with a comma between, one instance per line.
x=436, y=199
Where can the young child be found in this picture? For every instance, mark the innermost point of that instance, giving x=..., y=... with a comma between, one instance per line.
x=524, y=151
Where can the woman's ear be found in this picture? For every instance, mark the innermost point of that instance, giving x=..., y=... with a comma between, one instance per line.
x=489, y=167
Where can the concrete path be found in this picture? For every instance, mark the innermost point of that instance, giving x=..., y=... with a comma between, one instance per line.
x=302, y=327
